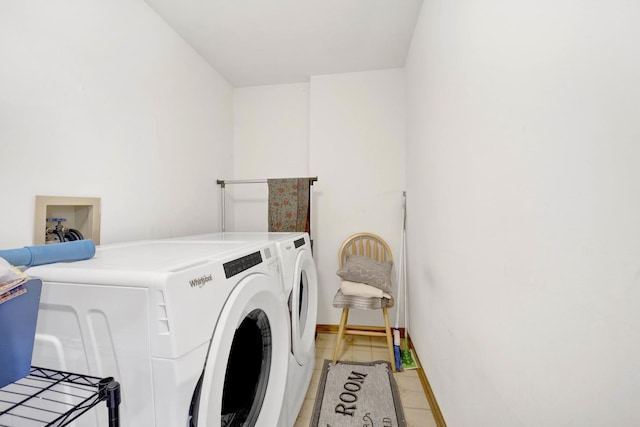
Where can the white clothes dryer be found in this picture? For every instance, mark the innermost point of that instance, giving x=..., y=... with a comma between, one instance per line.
x=300, y=280
x=195, y=332
x=300, y=286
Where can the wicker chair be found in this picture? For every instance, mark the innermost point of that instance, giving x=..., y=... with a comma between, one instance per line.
x=372, y=246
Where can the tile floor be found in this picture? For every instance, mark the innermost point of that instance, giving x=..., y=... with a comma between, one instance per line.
x=367, y=349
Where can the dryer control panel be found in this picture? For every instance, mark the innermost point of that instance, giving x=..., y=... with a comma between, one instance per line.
x=239, y=265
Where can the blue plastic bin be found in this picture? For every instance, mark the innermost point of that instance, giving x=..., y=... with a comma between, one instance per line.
x=18, y=318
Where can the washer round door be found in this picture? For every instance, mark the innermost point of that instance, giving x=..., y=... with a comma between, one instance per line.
x=303, y=307
x=245, y=374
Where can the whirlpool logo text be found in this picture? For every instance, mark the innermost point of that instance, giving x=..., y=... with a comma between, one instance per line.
x=200, y=281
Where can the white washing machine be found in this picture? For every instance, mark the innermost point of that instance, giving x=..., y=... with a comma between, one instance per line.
x=195, y=332
x=300, y=286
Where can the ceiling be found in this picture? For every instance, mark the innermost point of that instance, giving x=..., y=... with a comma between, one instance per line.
x=264, y=42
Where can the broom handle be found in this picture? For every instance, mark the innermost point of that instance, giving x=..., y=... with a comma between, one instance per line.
x=400, y=293
x=403, y=267
x=401, y=272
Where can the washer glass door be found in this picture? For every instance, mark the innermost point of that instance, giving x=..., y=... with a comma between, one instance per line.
x=244, y=379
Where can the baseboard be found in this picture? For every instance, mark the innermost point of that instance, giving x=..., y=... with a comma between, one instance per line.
x=327, y=329
x=431, y=398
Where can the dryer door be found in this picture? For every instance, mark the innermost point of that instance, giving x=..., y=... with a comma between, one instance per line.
x=303, y=307
x=244, y=379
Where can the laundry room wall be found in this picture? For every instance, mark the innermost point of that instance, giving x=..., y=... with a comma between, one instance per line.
x=356, y=142
x=347, y=129
x=523, y=231
x=271, y=140
x=103, y=99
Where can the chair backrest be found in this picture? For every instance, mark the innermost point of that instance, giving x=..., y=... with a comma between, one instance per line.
x=364, y=244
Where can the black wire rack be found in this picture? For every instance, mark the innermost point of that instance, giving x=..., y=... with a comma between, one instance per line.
x=48, y=397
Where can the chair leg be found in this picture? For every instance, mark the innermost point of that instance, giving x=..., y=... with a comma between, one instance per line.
x=341, y=329
x=392, y=356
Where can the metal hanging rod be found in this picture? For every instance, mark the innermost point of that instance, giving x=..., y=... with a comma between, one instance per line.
x=224, y=182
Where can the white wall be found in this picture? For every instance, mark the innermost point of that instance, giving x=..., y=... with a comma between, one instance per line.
x=271, y=140
x=357, y=151
x=103, y=99
x=524, y=239
x=347, y=129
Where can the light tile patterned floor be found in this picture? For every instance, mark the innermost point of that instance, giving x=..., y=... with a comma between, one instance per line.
x=367, y=349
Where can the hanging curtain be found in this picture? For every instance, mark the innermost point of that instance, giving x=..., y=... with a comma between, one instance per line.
x=289, y=204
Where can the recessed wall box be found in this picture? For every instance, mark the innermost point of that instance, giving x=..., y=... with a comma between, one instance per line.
x=80, y=213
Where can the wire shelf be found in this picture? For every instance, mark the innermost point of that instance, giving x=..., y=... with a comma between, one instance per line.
x=48, y=397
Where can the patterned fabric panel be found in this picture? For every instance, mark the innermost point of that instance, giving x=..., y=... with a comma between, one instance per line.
x=289, y=204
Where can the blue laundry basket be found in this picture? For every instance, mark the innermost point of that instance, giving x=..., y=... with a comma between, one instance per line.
x=18, y=318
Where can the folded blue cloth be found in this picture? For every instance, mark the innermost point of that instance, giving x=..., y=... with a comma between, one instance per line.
x=48, y=254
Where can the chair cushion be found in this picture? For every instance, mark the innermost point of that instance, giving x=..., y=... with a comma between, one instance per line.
x=363, y=269
x=341, y=300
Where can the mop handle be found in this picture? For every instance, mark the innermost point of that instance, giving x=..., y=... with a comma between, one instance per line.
x=401, y=278
x=404, y=269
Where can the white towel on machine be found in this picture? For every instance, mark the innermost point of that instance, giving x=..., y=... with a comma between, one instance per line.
x=362, y=290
